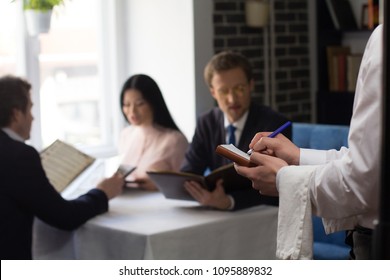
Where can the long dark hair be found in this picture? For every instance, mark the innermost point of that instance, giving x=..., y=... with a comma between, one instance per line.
x=152, y=94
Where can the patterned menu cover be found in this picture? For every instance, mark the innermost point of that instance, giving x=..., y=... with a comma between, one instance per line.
x=63, y=163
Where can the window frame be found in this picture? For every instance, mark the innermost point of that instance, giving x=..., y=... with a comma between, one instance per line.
x=109, y=71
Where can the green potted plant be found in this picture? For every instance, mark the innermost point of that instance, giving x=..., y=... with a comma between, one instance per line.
x=41, y=5
x=38, y=14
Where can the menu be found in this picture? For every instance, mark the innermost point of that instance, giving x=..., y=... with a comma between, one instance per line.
x=63, y=163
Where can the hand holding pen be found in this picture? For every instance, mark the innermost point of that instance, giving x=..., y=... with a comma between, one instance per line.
x=270, y=154
x=272, y=135
x=280, y=146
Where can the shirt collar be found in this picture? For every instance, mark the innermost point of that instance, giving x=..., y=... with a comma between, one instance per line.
x=238, y=124
x=12, y=134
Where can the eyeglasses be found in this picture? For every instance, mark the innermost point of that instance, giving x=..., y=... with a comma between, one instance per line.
x=238, y=90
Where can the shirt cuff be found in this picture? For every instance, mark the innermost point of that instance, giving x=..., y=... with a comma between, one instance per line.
x=312, y=157
x=231, y=207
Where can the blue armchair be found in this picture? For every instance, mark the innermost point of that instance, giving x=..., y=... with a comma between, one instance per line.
x=323, y=137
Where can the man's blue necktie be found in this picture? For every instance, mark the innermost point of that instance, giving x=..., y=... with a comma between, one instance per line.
x=232, y=136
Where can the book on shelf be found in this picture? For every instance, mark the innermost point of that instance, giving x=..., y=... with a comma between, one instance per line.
x=353, y=65
x=341, y=72
x=63, y=163
x=171, y=183
x=342, y=14
x=373, y=13
x=336, y=58
x=343, y=68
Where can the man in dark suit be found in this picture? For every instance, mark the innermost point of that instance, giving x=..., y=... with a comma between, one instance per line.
x=25, y=191
x=229, y=77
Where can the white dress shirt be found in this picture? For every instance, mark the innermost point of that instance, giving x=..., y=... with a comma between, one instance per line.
x=12, y=134
x=343, y=187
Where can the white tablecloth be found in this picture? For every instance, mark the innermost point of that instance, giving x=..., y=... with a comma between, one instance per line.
x=145, y=225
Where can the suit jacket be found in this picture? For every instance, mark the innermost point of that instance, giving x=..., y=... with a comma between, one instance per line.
x=210, y=132
x=25, y=193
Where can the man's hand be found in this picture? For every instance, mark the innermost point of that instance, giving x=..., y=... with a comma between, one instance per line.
x=280, y=147
x=217, y=198
x=112, y=186
x=263, y=176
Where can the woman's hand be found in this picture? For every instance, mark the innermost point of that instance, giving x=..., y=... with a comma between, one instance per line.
x=145, y=183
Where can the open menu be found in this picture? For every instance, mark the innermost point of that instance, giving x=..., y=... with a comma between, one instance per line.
x=63, y=163
x=171, y=183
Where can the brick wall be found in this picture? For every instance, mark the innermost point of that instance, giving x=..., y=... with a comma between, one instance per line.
x=291, y=37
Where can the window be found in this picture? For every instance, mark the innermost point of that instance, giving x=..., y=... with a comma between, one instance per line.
x=7, y=38
x=78, y=68
x=74, y=95
x=69, y=76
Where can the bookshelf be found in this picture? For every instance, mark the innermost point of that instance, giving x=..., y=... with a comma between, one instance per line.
x=334, y=96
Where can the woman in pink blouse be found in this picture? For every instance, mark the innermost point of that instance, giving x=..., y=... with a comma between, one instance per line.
x=152, y=141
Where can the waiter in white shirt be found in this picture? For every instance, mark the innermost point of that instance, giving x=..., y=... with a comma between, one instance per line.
x=342, y=186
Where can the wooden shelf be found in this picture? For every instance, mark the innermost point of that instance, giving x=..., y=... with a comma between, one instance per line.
x=333, y=107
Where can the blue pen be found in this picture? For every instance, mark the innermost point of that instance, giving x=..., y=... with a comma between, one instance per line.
x=273, y=134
